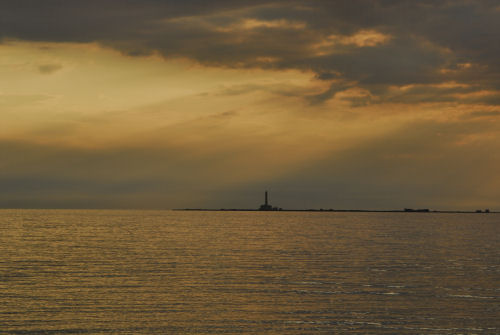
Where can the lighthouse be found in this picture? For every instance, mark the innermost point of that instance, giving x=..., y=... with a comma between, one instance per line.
x=266, y=206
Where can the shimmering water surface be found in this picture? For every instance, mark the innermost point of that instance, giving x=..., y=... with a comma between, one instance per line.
x=167, y=272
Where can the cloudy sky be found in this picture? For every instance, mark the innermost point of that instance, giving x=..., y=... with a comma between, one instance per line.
x=375, y=104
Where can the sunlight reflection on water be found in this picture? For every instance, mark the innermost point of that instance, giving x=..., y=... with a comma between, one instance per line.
x=153, y=272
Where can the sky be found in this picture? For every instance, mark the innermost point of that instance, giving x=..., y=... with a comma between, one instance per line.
x=373, y=104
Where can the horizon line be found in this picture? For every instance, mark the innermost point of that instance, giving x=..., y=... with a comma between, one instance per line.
x=478, y=211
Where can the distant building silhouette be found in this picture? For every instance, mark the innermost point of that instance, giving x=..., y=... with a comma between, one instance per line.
x=420, y=210
x=266, y=206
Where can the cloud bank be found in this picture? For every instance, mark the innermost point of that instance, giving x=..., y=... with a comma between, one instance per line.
x=375, y=44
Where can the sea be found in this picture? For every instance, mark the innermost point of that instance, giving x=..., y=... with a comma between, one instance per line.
x=202, y=272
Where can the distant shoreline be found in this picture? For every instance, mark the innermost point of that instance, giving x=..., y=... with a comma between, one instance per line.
x=334, y=211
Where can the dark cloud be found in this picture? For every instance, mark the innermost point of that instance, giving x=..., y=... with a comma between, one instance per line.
x=49, y=68
x=329, y=93
x=437, y=93
x=426, y=164
x=482, y=114
x=49, y=176
x=429, y=41
x=440, y=165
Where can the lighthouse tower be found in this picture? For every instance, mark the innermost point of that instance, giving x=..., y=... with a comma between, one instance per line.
x=265, y=206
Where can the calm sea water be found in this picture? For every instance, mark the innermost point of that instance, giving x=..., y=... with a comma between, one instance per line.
x=167, y=272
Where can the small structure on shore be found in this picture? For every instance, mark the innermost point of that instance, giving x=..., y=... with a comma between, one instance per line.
x=266, y=206
x=420, y=210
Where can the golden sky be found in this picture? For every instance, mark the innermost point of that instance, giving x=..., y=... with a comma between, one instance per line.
x=146, y=104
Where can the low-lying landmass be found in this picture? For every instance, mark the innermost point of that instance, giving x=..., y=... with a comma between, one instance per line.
x=266, y=207
x=335, y=210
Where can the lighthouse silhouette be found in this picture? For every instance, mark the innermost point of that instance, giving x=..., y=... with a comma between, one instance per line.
x=266, y=206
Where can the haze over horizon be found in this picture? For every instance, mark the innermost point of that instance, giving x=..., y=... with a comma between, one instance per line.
x=374, y=104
